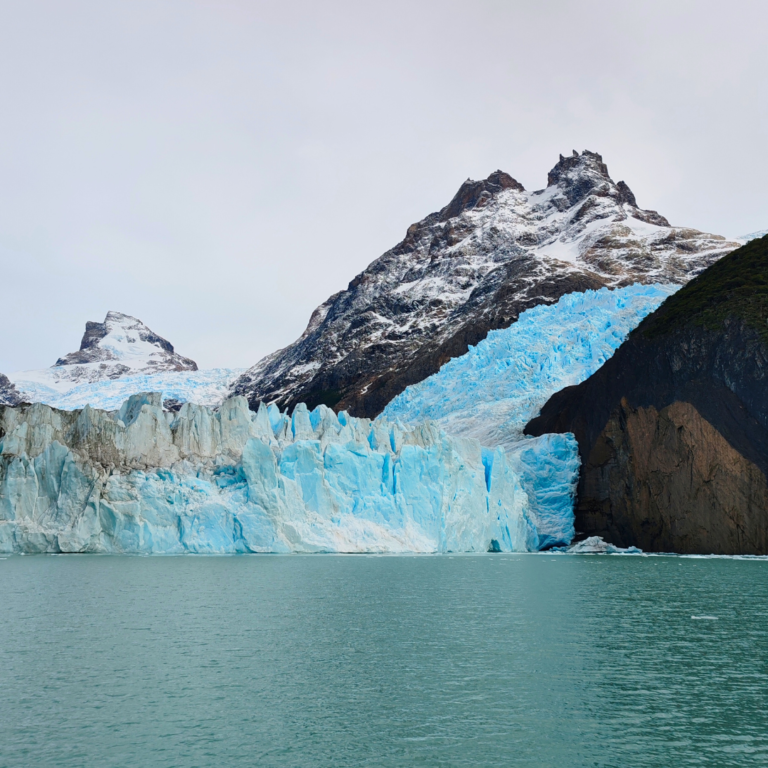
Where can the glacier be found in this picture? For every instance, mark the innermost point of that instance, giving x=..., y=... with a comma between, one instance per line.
x=445, y=468
x=143, y=480
x=548, y=469
x=208, y=387
x=498, y=386
x=491, y=392
x=752, y=236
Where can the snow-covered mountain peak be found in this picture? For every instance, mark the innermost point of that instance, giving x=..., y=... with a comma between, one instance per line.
x=125, y=338
x=118, y=347
x=579, y=177
x=586, y=170
x=494, y=251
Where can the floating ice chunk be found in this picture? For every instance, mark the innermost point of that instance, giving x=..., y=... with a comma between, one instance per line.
x=595, y=545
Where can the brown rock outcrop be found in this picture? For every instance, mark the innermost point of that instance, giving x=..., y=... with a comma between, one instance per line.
x=669, y=481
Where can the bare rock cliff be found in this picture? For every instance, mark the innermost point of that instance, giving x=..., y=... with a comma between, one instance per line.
x=9, y=395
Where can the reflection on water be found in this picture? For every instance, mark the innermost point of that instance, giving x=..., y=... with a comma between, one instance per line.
x=496, y=660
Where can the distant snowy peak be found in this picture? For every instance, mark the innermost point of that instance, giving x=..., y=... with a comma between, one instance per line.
x=580, y=177
x=120, y=346
x=494, y=251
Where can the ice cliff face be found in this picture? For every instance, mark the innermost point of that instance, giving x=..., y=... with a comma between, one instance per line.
x=142, y=479
x=120, y=346
x=495, y=389
x=494, y=251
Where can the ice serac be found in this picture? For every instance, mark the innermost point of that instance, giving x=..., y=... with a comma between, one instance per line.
x=120, y=346
x=493, y=252
x=145, y=480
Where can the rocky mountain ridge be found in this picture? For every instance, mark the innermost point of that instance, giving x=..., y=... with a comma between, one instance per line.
x=494, y=251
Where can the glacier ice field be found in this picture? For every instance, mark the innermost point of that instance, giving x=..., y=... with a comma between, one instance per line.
x=208, y=387
x=445, y=468
x=498, y=386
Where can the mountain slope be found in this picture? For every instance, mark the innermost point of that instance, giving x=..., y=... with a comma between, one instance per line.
x=494, y=251
x=673, y=429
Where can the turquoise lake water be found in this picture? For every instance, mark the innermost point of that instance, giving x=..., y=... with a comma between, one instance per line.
x=495, y=660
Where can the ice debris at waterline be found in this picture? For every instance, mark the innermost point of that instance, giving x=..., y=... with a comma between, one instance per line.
x=144, y=480
x=497, y=387
x=208, y=387
x=596, y=545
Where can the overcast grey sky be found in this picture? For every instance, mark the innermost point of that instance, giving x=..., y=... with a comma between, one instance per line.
x=218, y=169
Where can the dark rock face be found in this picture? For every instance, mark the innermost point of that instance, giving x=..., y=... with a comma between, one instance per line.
x=476, y=194
x=9, y=395
x=673, y=429
x=494, y=251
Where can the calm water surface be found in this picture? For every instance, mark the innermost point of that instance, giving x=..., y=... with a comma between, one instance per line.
x=496, y=660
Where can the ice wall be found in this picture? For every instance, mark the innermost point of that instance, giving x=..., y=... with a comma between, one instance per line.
x=143, y=480
x=497, y=387
x=548, y=468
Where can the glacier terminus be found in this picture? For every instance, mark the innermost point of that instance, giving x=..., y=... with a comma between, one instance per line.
x=146, y=480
